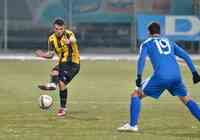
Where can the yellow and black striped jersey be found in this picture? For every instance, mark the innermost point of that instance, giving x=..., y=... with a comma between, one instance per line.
x=65, y=53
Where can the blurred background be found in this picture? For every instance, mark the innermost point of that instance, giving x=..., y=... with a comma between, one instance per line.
x=101, y=26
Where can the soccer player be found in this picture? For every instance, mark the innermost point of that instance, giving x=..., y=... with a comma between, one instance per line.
x=61, y=42
x=166, y=75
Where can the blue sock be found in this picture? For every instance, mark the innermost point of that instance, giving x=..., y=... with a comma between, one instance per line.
x=194, y=109
x=134, y=110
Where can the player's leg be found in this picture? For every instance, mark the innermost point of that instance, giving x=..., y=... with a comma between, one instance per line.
x=54, y=75
x=135, y=106
x=150, y=87
x=63, y=98
x=179, y=89
x=54, y=80
x=66, y=74
x=191, y=105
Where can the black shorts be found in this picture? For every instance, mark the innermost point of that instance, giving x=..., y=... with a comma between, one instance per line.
x=67, y=72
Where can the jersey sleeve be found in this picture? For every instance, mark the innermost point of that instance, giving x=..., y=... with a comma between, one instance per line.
x=70, y=35
x=50, y=47
x=50, y=44
x=72, y=38
x=184, y=55
x=141, y=59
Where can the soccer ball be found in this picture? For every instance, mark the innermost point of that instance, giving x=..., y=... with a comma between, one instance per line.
x=45, y=101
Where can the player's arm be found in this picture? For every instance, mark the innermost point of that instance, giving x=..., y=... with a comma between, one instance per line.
x=140, y=64
x=50, y=53
x=47, y=55
x=184, y=55
x=70, y=38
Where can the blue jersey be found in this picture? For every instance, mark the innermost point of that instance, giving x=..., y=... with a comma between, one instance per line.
x=162, y=53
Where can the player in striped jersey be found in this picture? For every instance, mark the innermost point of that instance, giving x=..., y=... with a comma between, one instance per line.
x=61, y=42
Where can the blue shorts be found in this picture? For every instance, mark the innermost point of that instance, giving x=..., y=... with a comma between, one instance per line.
x=155, y=86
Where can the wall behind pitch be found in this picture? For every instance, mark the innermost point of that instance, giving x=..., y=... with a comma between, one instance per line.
x=185, y=28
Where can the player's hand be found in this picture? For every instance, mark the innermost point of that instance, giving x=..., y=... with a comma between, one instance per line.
x=196, y=77
x=39, y=53
x=67, y=41
x=138, y=81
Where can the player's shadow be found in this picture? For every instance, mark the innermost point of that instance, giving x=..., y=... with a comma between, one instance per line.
x=186, y=135
x=81, y=116
x=176, y=133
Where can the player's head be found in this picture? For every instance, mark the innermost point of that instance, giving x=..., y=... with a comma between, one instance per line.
x=154, y=28
x=59, y=26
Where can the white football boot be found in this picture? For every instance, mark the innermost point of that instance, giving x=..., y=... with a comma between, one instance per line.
x=51, y=85
x=128, y=127
x=48, y=86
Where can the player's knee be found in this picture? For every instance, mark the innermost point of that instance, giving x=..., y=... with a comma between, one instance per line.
x=54, y=73
x=62, y=85
x=185, y=99
x=136, y=92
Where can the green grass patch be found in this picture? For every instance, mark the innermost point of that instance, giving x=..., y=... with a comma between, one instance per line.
x=98, y=104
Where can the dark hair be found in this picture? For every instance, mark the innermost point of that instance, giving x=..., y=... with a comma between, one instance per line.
x=59, y=21
x=154, y=28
